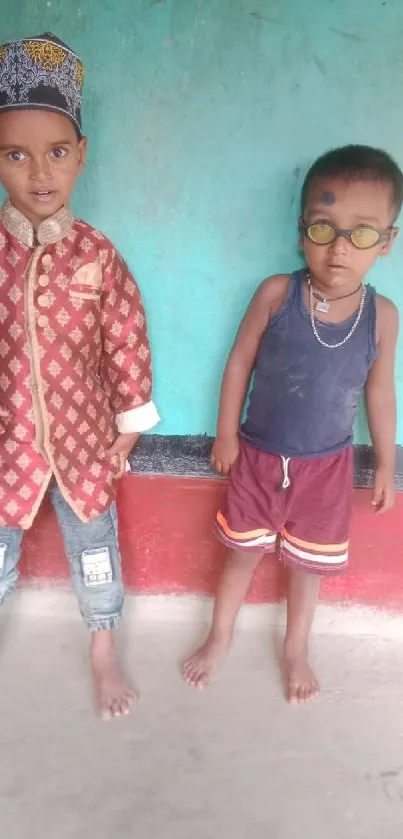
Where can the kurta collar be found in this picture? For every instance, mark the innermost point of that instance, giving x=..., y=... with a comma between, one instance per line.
x=50, y=231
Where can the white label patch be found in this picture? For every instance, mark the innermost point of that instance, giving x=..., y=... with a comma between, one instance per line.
x=3, y=549
x=97, y=568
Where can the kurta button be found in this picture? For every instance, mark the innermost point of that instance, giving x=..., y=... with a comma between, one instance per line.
x=42, y=300
x=43, y=280
x=47, y=262
x=43, y=320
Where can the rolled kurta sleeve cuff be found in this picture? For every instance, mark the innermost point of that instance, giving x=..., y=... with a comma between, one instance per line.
x=138, y=419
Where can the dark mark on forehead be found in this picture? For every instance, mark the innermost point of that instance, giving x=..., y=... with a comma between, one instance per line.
x=327, y=198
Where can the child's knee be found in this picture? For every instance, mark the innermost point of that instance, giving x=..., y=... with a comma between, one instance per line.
x=244, y=560
x=98, y=583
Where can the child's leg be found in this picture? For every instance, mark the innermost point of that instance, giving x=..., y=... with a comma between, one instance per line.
x=233, y=586
x=93, y=553
x=10, y=551
x=314, y=544
x=302, y=596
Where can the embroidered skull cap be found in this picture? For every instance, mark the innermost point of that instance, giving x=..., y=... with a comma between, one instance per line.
x=41, y=73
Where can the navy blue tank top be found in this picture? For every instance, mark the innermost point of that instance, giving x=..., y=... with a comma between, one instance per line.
x=305, y=397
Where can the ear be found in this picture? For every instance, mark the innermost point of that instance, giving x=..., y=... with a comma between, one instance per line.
x=82, y=153
x=387, y=246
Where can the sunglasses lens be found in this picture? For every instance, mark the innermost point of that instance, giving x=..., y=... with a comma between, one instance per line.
x=364, y=237
x=321, y=233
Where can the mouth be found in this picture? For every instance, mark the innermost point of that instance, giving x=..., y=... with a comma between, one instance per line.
x=337, y=266
x=43, y=195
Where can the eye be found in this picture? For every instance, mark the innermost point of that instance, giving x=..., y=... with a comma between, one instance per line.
x=58, y=153
x=321, y=233
x=17, y=156
x=365, y=237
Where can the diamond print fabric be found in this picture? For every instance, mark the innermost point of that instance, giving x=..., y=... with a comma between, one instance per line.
x=73, y=353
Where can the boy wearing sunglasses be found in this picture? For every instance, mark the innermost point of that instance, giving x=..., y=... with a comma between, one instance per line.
x=314, y=341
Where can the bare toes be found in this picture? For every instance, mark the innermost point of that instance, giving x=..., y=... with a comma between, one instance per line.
x=300, y=682
x=187, y=670
x=201, y=681
x=191, y=672
x=301, y=693
x=127, y=705
x=197, y=669
x=196, y=680
x=292, y=694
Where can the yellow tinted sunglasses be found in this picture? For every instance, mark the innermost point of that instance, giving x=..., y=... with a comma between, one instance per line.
x=362, y=236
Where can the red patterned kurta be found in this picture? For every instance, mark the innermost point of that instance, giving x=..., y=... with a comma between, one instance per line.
x=74, y=364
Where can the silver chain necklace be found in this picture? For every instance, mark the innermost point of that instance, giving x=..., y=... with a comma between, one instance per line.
x=349, y=334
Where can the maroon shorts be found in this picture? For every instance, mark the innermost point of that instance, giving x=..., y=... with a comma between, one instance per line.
x=307, y=503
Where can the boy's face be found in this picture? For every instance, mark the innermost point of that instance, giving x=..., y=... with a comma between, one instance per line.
x=346, y=205
x=40, y=159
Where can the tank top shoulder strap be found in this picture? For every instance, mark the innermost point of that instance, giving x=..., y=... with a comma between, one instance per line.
x=292, y=298
x=371, y=316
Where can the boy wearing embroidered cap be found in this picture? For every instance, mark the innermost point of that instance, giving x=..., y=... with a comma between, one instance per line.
x=75, y=373
x=314, y=340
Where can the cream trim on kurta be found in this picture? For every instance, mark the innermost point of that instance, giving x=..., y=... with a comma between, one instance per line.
x=40, y=410
x=50, y=231
x=139, y=419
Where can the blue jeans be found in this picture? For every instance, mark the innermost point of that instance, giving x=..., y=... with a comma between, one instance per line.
x=93, y=554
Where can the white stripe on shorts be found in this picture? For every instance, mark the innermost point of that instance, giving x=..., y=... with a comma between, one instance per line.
x=322, y=559
x=251, y=543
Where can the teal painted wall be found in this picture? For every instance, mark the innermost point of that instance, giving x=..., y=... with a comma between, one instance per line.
x=203, y=116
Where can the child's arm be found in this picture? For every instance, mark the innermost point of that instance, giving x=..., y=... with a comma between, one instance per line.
x=381, y=404
x=125, y=368
x=268, y=299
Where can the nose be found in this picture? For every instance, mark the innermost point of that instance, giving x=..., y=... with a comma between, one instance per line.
x=40, y=169
x=339, y=245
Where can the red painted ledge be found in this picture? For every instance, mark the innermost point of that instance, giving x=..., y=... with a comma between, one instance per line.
x=168, y=546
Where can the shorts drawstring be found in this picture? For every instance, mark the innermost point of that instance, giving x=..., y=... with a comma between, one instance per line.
x=286, y=478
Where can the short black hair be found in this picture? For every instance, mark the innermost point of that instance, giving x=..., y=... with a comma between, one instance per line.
x=356, y=163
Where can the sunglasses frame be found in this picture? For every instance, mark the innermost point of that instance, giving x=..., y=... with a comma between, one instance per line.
x=383, y=235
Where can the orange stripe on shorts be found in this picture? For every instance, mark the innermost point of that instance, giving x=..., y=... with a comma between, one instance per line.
x=240, y=537
x=312, y=546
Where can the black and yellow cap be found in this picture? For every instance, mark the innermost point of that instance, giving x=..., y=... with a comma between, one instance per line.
x=41, y=73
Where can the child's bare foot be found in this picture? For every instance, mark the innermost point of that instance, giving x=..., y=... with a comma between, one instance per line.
x=199, y=667
x=300, y=683
x=113, y=696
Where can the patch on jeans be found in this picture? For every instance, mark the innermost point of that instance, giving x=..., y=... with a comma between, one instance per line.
x=97, y=567
x=3, y=549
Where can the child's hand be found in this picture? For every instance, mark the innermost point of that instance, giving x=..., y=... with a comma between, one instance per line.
x=383, y=497
x=122, y=447
x=224, y=454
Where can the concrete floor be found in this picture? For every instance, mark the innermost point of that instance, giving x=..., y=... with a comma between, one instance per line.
x=235, y=761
